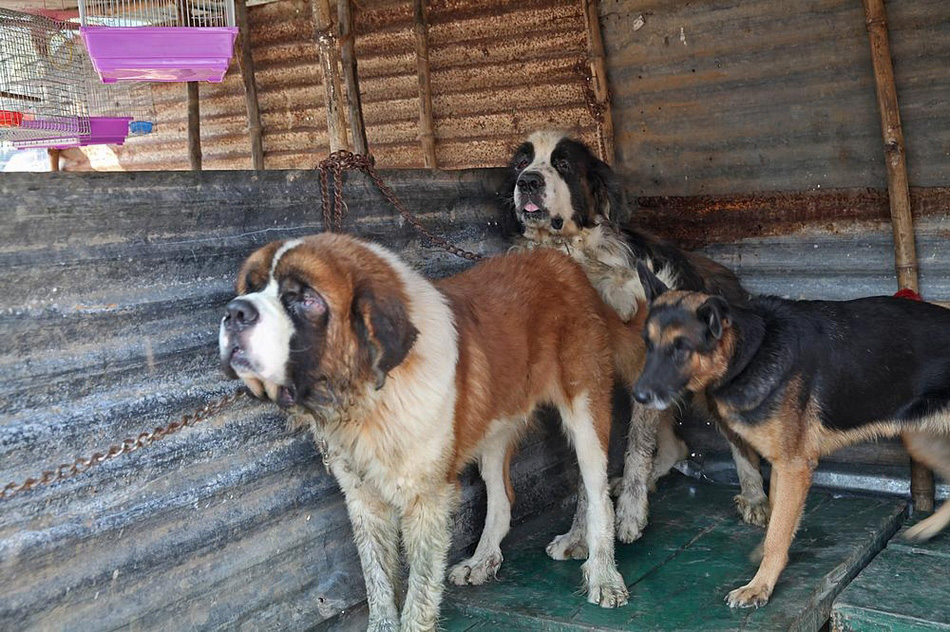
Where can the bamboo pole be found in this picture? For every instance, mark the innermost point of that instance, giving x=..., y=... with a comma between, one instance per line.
x=598, y=77
x=194, y=127
x=351, y=77
x=426, y=127
x=246, y=63
x=905, y=256
x=330, y=62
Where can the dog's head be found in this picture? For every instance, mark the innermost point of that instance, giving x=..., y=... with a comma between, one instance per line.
x=559, y=187
x=316, y=321
x=689, y=342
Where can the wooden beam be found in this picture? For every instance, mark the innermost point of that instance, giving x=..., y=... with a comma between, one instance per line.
x=599, y=88
x=426, y=127
x=53, y=158
x=246, y=63
x=905, y=255
x=354, y=103
x=194, y=127
x=330, y=62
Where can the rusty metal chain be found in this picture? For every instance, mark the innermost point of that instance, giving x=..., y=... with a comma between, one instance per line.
x=145, y=439
x=343, y=160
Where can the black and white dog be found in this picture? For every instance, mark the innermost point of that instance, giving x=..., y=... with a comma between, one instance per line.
x=565, y=197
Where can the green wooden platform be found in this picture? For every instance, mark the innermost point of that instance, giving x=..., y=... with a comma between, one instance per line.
x=693, y=552
x=906, y=587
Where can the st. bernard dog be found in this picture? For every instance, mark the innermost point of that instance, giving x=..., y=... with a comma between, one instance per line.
x=564, y=197
x=404, y=381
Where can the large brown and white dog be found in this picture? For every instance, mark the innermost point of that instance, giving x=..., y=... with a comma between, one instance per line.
x=405, y=381
x=564, y=197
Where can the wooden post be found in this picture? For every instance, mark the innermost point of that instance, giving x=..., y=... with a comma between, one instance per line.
x=426, y=127
x=194, y=127
x=330, y=62
x=53, y=159
x=246, y=63
x=905, y=256
x=351, y=77
x=598, y=77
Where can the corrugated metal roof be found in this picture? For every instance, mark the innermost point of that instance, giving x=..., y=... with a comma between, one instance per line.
x=728, y=97
x=499, y=70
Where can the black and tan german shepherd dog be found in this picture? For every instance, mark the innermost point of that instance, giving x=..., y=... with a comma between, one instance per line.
x=800, y=379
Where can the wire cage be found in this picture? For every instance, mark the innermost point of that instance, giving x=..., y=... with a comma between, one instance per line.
x=114, y=110
x=40, y=97
x=159, y=40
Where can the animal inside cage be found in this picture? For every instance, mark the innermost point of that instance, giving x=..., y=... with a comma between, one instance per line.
x=41, y=97
x=159, y=40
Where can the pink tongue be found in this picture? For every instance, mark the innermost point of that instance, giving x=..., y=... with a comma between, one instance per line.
x=531, y=207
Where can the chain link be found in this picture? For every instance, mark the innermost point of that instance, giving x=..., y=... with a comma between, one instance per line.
x=343, y=160
x=145, y=439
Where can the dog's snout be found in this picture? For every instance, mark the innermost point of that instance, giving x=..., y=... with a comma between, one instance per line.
x=240, y=314
x=642, y=396
x=530, y=182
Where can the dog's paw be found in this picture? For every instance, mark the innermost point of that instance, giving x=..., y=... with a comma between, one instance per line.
x=632, y=514
x=569, y=546
x=476, y=571
x=753, y=511
x=606, y=587
x=751, y=595
x=926, y=529
x=382, y=625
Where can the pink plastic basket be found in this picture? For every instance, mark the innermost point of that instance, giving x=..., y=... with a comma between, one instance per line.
x=160, y=53
x=103, y=130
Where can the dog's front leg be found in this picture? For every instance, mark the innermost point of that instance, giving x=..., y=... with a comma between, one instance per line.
x=790, y=483
x=426, y=533
x=633, y=505
x=376, y=531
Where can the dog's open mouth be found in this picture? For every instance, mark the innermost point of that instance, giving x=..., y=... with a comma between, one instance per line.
x=532, y=210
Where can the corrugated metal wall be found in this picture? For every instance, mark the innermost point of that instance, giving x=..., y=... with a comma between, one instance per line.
x=734, y=97
x=499, y=70
x=111, y=295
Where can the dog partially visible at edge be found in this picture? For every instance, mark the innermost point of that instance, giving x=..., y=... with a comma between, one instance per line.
x=406, y=381
x=564, y=197
x=800, y=379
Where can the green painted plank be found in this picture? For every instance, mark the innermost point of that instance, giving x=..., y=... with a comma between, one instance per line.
x=693, y=552
x=906, y=587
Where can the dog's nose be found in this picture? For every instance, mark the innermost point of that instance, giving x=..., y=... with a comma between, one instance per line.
x=557, y=223
x=529, y=182
x=642, y=396
x=240, y=314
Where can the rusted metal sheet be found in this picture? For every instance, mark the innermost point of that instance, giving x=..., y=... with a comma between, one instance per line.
x=726, y=97
x=112, y=290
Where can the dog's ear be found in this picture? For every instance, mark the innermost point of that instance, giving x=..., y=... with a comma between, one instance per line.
x=383, y=329
x=609, y=198
x=653, y=287
x=714, y=313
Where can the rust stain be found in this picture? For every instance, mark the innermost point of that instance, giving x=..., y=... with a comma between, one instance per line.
x=698, y=221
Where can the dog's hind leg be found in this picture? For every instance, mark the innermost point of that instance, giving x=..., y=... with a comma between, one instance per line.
x=426, y=534
x=573, y=544
x=605, y=585
x=487, y=559
x=632, y=503
x=790, y=483
x=376, y=531
x=933, y=451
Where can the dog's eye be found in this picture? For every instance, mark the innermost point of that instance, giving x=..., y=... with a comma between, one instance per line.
x=562, y=165
x=521, y=164
x=681, y=349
